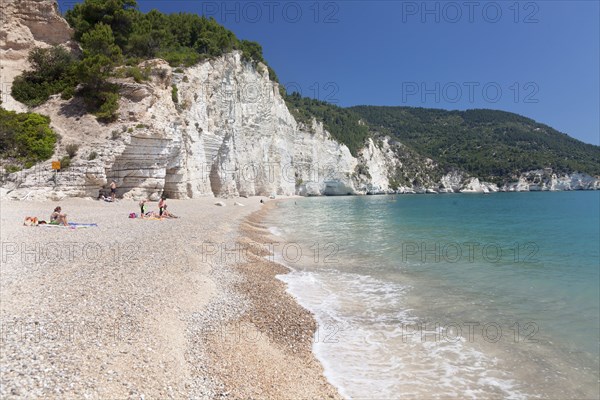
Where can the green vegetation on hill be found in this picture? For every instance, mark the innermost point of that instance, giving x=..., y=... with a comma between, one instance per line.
x=181, y=39
x=25, y=138
x=112, y=33
x=52, y=71
x=494, y=145
x=343, y=124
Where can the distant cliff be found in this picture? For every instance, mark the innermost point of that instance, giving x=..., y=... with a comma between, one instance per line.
x=218, y=128
x=497, y=146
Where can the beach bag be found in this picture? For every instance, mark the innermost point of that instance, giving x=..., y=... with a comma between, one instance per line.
x=132, y=215
x=30, y=221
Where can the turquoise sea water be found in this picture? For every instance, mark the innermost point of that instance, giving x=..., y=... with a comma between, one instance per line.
x=435, y=296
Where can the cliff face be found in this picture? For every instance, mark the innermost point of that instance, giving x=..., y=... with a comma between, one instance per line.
x=227, y=132
x=25, y=25
x=224, y=132
x=547, y=180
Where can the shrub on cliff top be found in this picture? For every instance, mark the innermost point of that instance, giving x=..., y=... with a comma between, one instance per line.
x=113, y=33
x=174, y=95
x=137, y=74
x=181, y=39
x=52, y=72
x=65, y=162
x=26, y=136
x=72, y=149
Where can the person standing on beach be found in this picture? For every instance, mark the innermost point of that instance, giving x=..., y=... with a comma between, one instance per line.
x=113, y=190
x=162, y=204
x=142, y=205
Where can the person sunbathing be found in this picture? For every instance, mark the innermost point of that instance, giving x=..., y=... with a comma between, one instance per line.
x=57, y=218
x=167, y=214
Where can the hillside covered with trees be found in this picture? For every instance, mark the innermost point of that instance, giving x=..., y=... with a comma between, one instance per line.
x=494, y=145
x=343, y=124
x=114, y=34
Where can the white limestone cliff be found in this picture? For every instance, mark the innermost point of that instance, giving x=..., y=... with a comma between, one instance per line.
x=452, y=182
x=548, y=180
x=380, y=162
x=228, y=133
x=473, y=185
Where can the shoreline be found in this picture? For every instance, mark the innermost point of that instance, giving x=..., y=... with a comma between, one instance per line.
x=147, y=308
x=4, y=195
x=307, y=221
x=266, y=350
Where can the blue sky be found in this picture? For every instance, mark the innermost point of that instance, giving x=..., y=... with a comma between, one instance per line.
x=540, y=59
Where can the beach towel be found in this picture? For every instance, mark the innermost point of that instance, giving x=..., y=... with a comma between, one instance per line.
x=80, y=225
x=72, y=225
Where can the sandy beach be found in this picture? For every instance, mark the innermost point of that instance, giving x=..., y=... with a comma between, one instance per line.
x=177, y=308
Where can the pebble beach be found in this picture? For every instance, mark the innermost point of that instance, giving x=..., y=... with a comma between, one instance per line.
x=144, y=309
